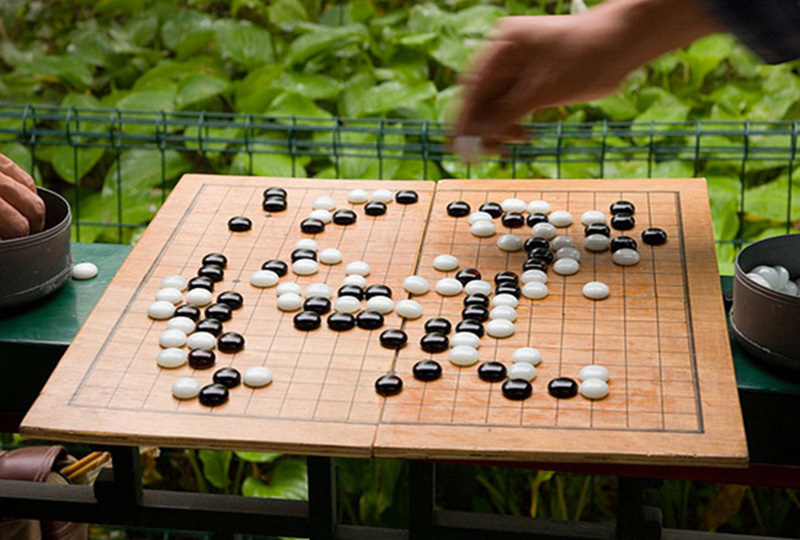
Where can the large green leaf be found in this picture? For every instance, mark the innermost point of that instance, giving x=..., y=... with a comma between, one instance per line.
x=142, y=169
x=277, y=164
x=770, y=201
x=454, y=51
x=476, y=20
x=310, y=85
x=62, y=68
x=246, y=45
x=105, y=209
x=427, y=17
x=254, y=93
x=72, y=164
x=392, y=95
x=324, y=40
x=216, y=466
x=148, y=101
x=290, y=104
x=285, y=14
x=198, y=88
x=289, y=481
x=257, y=457
x=19, y=154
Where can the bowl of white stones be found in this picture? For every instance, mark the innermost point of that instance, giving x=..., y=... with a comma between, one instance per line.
x=765, y=317
x=37, y=265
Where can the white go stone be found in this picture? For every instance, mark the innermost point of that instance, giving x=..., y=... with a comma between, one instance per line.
x=625, y=257
x=330, y=256
x=445, y=263
x=593, y=371
x=544, y=230
x=318, y=289
x=170, y=294
x=184, y=324
x=769, y=274
x=201, y=340
x=510, y=242
x=84, y=270
x=161, y=310
x=257, y=377
x=590, y=217
x=289, y=287
x=783, y=277
x=561, y=218
x=355, y=279
x=381, y=304
x=596, y=243
x=185, y=388
x=306, y=243
x=527, y=354
x=569, y=253
x=171, y=358
x=521, y=370
x=467, y=339
x=357, y=196
x=561, y=241
x=324, y=203
x=483, y=229
x=359, y=268
x=500, y=328
x=448, y=287
x=172, y=338
x=503, y=312
x=513, y=205
x=505, y=299
x=175, y=281
x=566, y=267
x=758, y=278
x=529, y=276
x=475, y=217
x=594, y=389
x=596, y=290
x=305, y=267
x=199, y=297
x=463, y=355
x=408, y=309
x=324, y=216
x=382, y=195
x=263, y=279
x=535, y=290
x=347, y=304
x=791, y=288
x=289, y=301
x=478, y=286
x=416, y=285
x=539, y=207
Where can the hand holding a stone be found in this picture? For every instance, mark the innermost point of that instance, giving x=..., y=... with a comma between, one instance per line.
x=21, y=208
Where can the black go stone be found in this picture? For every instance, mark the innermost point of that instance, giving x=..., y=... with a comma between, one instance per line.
x=341, y=322
x=351, y=290
x=231, y=298
x=202, y=359
x=228, y=377
x=621, y=242
x=217, y=259
x=458, y=209
x=622, y=207
x=394, y=338
x=472, y=326
x=562, y=387
x=476, y=299
x=597, y=228
x=535, y=242
x=212, y=326
x=239, y=224
x=406, y=196
x=513, y=220
x=369, y=320
x=517, y=389
x=274, y=205
x=438, y=324
x=188, y=310
x=492, y=208
x=537, y=217
x=317, y=304
x=277, y=266
x=213, y=395
x=303, y=254
x=475, y=313
x=508, y=288
x=312, y=226
x=201, y=282
x=212, y=272
x=534, y=264
x=465, y=275
x=506, y=276
x=275, y=192
x=434, y=342
x=377, y=290
x=307, y=320
x=375, y=208
x=389, y=385
x=623, y=222
x=230, y=342
x=221, y=312
x=427, y=370
x=542, y=254
x=654, y=237
x=344, y=217
x=492, y=371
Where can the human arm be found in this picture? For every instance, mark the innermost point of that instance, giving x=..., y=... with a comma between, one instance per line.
x=21, y=209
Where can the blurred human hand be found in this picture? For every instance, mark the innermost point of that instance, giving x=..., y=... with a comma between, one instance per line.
x=21, y=208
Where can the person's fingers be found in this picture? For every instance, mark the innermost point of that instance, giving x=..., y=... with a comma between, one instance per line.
x=23, y=201
x=11, y=169
x=12, y=223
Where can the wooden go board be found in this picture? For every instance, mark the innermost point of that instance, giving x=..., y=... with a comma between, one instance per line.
x=662, y=334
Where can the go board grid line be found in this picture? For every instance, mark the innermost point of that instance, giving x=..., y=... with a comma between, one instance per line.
x=563, y=319
x=594, y=320
x=661, y=399
x=625, y=341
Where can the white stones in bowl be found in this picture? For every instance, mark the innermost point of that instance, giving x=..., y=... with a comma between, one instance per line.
x=776, y=278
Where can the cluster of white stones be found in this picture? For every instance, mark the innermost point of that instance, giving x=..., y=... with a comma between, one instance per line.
x=594, y=381
x=776, y=278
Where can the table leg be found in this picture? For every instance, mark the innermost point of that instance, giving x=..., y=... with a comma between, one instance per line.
x=422, y=499
x=635, y=521
x=123, y=482
x=321, y=498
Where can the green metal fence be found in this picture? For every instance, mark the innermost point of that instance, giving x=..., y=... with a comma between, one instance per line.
x=117, y=166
